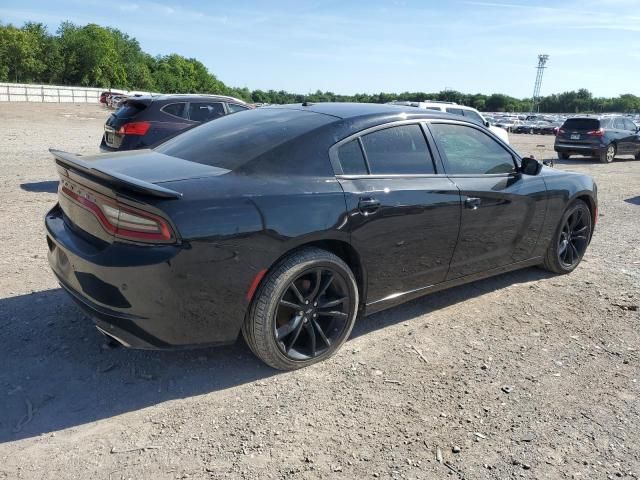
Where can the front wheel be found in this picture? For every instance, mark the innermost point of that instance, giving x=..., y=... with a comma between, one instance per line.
x=571, y=239
x=303, y=311
x=609, y=154
x=563, y=156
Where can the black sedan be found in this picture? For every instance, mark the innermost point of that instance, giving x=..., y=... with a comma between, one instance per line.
x=145, y=121
x=287, y=223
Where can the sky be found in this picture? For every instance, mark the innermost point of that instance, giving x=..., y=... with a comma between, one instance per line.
x=349, y=46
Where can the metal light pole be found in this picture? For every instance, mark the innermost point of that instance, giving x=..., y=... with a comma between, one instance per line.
x=542, y=62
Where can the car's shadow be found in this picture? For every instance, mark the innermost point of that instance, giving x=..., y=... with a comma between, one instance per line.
x=57, y=371
x=588, y=160
x=50, y=186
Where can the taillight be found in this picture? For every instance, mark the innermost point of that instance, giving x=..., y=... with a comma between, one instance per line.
x=124, y=221
x=596, y=133
x=135, y=128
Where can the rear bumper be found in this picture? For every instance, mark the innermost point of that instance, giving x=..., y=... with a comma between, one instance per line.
x=584, y=149
x=144, y=296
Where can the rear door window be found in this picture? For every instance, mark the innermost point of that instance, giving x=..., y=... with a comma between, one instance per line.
x=352, y=159
x=205, y=111
x=398, y=150
x=234, y=107
x=176, y=109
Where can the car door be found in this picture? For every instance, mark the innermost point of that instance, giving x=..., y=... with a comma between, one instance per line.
x=502, y=210
x=631, y=139
x=403, y=214
x=619, y=135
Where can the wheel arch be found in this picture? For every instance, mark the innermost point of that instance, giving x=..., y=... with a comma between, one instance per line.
x=341, y=249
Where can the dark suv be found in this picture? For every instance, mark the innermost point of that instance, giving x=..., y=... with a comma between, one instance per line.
x=601, y=137
x=142, y=122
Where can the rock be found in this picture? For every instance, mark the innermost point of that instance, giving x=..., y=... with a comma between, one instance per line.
x=526, y=466
x=507, y=389
x=337, y=468
x=455, y=449
x=439, y=455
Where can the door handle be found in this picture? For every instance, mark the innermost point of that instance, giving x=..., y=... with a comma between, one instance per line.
x=368, y=205
x=472, y=202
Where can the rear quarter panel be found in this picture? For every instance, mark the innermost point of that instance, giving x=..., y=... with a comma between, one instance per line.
x=233, y=227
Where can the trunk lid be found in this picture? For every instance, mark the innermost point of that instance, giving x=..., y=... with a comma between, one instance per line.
x=578, y=131
x=127, y=112
x=129, y=179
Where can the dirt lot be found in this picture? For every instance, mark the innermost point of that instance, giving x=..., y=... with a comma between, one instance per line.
x=529, y=375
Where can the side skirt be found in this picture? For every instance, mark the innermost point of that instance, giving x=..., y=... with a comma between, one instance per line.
x=398, y=298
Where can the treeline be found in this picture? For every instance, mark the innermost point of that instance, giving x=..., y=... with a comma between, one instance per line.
x=105, y=57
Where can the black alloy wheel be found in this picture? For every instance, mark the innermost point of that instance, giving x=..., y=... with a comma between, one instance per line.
x=571, y=240
x=303, y=310
x=312, y=314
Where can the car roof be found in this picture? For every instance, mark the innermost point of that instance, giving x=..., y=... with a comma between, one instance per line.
x=346, y=110
x=189, y=97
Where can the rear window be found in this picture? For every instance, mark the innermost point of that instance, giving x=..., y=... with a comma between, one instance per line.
x=129, y=109
x=587, y=124
x=235, y=140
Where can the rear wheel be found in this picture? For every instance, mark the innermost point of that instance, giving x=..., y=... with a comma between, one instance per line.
x=303, y=311
x=571, y=239
x=609, y=154
x=563, y=156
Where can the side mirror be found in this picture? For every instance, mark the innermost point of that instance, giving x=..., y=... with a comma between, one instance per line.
x=530, y=166
x=487, y=124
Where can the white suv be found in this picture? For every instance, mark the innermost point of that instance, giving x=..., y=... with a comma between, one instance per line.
x=450, y=107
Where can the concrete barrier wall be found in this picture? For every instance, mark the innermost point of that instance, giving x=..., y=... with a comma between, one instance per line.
x=17, y=92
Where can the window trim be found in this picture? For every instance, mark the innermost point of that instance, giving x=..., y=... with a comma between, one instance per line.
x=515, y=158
x=337, y=166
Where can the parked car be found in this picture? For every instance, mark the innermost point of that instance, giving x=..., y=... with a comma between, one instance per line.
x=288, y=222
x=601, y=137
x=469, y=113
x=144, y=121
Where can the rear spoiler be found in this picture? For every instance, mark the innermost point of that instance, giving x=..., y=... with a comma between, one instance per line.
x=117, y=180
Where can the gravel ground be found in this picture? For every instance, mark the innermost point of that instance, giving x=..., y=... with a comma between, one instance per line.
x=522, y=375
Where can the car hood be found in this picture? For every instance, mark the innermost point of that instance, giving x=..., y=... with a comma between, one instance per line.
x=501, y=133
x=151, y=166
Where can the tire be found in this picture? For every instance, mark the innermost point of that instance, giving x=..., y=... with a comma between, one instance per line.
x=609, y=154
x=283, y=318
x=638, y=156
x=563, y=156
x=564, y=260
x=531, y=132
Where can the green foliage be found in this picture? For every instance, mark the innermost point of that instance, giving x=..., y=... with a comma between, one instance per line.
x=97, y=56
